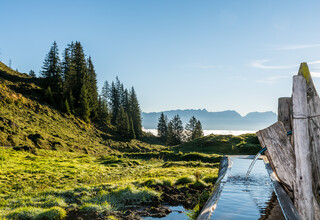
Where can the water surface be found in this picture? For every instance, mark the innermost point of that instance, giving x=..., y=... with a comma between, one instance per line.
x=247, y=198
x=178, y=212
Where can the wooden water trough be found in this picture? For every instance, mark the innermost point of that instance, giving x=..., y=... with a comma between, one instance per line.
x=294, y=160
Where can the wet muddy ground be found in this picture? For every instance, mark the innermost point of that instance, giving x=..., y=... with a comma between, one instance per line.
x=186, y=196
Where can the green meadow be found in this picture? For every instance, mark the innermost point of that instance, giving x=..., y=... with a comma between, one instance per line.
x=56, y=166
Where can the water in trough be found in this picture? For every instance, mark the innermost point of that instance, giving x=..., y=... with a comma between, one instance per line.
x=242, y=197
x=249, y=197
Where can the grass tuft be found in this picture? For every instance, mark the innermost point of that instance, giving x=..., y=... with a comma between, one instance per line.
x=54, y=213
x=25, y=213
x=184, y=180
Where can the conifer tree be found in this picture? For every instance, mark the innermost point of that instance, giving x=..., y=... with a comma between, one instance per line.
x=175, y=131
x=105, y=91
x=171, y=140
x=194, y=129
x=66, y=63
x=92, y=89
x=49, y=95
x=132, y=134
x=103, y=114
x=198, y=132
x=163, y=127
x=190, y=128
x=51, y=70
x=84, y=104
x=81, y=72
x=114, y=102
x=122, y=124
x=69, y=75
x=125, y=102
x=32, y=73
x=135, y=113
x=65, y=107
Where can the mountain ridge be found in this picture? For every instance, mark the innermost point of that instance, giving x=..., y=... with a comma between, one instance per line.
x=222, y=120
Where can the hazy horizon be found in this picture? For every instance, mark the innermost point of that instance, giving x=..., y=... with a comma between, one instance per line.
x=209, y=111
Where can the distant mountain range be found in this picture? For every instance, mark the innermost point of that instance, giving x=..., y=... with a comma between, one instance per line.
x=225, y=120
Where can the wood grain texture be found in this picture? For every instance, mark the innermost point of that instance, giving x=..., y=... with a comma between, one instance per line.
x=313, y=102
x=280, y=153
x=285, y=112
x=303, y=182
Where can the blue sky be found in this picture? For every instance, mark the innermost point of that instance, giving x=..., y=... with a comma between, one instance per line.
x=178, y=54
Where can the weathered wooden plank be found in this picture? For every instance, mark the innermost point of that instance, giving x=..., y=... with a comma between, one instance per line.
x=303, y=185
x=313, y=102
x=285, y=112
x=280, y=153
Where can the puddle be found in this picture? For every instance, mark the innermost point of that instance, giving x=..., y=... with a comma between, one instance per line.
x=178, y=212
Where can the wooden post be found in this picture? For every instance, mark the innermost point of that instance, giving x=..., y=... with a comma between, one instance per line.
x=303, y=182
x=279, y=152
x=313, y=102
x=285, y=112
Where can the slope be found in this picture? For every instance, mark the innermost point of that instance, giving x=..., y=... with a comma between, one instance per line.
x=28, y=122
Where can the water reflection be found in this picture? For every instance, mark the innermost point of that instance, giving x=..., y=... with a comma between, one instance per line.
x=246, y=198
x=178, y=212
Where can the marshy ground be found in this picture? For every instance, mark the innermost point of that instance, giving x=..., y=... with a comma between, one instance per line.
x=125, y=186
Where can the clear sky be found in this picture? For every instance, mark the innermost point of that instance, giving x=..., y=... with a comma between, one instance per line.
x=178, y=54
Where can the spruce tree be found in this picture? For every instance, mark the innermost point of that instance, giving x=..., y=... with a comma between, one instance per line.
x=32, y=73
x=49, y=95
x=175, y=131
x=79, y=72
x=135, y=113
x=66, y=107
x=69, y=75
x=163, y=127
x=105, y=91
x=190, y=128
x=122, y=124
x=66, y=63
x=132, y=134
x=103, y=114
x=114, y=102
x=84, y=104
x=92, y=89
x=198, y=132
x=52, y=72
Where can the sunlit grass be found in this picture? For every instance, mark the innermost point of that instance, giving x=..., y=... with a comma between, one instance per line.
x=67, y=179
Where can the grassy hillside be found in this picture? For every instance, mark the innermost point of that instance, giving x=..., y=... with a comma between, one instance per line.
x=55, y=166
x=28, y=122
